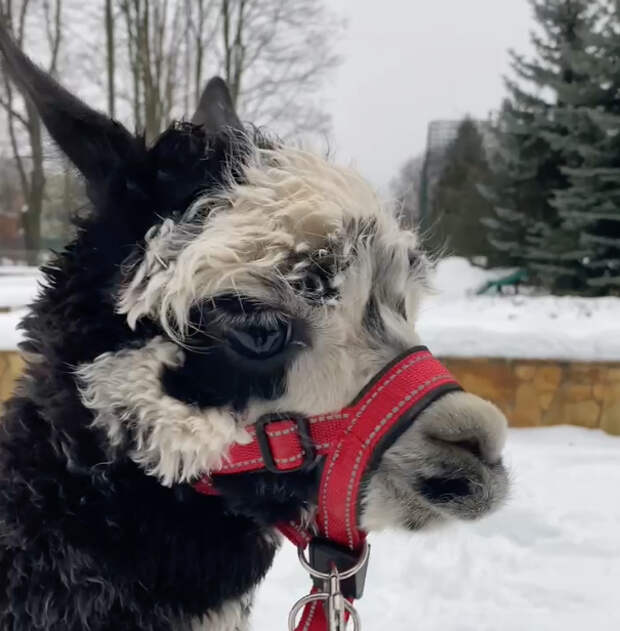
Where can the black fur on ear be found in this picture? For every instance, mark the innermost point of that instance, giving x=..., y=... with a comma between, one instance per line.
x=93, y=142
x=215, y=111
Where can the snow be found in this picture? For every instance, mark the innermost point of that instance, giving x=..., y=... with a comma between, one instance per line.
x=18, y=287
x=10, y=336
x=548, y=561
x=455, y=322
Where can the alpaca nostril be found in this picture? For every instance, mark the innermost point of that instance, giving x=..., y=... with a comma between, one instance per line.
x=445, y=489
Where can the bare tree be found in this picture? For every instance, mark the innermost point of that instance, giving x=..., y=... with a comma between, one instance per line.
x=405, y=188
x=158, y=53
x=274, y=55
x=155, y=40
x=23, y=123
x=110, y=57
x=201, y=22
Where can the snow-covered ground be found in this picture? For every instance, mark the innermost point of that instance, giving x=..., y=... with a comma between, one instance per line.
x=18, y=287
x=548, y=561
x=457, y=323
x=454, y=322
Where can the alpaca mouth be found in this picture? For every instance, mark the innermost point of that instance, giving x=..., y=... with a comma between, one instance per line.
x=466, y=495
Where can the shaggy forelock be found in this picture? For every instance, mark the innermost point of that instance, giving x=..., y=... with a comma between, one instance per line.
x=292, y=211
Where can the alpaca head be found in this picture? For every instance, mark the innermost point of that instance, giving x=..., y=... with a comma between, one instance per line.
x=239, y=277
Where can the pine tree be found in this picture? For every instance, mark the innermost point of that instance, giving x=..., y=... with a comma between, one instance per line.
x=529, y=160
x=458, y=204
x=524, y=167
x=587, y=247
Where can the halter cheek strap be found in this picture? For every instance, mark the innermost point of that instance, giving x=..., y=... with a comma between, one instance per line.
x=351, y=441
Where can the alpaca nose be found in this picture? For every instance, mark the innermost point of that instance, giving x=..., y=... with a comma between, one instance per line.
x=467, y=422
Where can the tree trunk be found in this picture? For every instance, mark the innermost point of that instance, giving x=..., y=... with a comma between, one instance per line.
x=32, y=218
x=151, y=124
x=111, y=57
x=199, y=52
x=31, y=223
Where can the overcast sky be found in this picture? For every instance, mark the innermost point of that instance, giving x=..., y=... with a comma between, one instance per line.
x=407, y=62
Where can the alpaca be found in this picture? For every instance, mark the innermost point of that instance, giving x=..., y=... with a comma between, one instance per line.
x=219, y=275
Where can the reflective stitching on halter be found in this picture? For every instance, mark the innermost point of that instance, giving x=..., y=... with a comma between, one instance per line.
x=369, y=439
x=319, y=419
x=329, y=417
x=246, y=463
x=301, y=531
x=357, y=416
x=281, y=432
x=310, y=615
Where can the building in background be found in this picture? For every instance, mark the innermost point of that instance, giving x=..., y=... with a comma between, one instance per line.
x=440, y=135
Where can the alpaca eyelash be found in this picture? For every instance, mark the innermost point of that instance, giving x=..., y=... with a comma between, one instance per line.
x=261, y=319
x=247, y=316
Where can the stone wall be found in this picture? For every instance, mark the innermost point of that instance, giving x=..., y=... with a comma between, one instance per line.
x=538, y=393
x=531, y=393
x=11, y=365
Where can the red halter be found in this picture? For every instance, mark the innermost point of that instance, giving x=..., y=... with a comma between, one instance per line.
x=351, y=442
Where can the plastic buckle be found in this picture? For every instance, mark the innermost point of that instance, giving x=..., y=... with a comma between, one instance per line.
x=303, y=435
x=325, y=554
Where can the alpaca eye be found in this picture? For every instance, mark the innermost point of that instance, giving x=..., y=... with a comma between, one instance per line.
x=414, y=258
x=260, y=342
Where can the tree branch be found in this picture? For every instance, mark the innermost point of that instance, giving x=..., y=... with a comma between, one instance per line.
x=11, y=110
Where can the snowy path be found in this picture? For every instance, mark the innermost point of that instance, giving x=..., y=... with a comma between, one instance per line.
x=549, y=561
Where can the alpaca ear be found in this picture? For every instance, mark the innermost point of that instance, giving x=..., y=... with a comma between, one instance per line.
x=92, y=141
x=215, y=110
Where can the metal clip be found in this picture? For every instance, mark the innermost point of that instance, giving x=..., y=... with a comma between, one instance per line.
x=336, y=605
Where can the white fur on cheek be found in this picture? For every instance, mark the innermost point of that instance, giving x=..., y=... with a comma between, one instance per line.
x=172, y=440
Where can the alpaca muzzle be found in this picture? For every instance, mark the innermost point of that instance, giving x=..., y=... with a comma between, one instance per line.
x=348, y=444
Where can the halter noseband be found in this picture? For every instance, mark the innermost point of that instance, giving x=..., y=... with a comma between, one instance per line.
x=350, y=442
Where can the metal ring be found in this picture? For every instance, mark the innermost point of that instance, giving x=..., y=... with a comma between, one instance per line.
x=302, y=602
x=357, y=623
x=343, y=576
x=322, y=596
